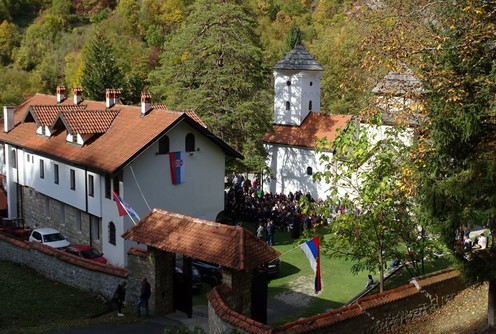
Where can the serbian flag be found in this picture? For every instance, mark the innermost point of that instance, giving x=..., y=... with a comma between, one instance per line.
x=124, y=208
x=176, y=167
x=312, y=251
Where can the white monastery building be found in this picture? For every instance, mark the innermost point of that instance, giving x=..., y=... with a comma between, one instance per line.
x=299, y=124
x=63, y=158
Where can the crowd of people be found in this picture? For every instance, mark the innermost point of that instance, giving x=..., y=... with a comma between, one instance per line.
x=247, y=202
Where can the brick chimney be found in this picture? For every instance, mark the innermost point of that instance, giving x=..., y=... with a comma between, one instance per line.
x=78, y=95
x=60, y=94
x=112, y=97
x=8, y=118
x=146, y=103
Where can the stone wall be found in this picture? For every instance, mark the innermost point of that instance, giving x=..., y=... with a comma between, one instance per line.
x=43, y=211
x=87, y=275
x=372, y=314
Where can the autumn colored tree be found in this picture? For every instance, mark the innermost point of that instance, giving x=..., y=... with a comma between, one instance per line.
x=213, y=65
x=459, y=182
x=369, y=187
x=9, y=39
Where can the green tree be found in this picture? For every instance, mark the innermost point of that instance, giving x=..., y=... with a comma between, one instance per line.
x=100, y=71
x=15, y=86
x=368, y=175
x=9, y=39
x=295, y=37
x=459, y=187
x=213, y=65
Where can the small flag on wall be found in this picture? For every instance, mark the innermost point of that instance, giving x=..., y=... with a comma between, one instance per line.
x=311, y=248
x=177, y=167
x=124, y=208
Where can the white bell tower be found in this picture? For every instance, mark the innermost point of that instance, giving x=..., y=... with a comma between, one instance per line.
x=296, y=87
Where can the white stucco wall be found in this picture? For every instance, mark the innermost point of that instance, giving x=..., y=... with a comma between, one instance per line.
x=289, y=168
x=305, y=87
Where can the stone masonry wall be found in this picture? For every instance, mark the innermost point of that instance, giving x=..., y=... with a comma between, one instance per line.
x=43, y=211
x=372, y=314
x=87, y=275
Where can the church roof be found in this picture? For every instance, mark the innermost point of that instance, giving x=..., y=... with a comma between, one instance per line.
x=229, y=246
x=298, y=59
x=316, y=126
x=396, y=83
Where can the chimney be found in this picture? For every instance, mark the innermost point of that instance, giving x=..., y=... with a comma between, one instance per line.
x=78, y=95
x=146, y=103
x=8, y=118
x=60, y=94
x=112, y=97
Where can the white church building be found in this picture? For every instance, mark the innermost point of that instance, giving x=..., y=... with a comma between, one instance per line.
x=298, y=122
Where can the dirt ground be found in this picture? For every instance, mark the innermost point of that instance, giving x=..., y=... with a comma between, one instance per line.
x=465, y=314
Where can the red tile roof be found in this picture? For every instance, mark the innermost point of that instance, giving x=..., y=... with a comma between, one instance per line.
x=44, y=115
x=128, y=136
x=316, y=126
x=229, y=246
x=88, y=121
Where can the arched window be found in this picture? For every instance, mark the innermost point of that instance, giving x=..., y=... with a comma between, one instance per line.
x=310, y=105
x=288, y=83
x=287, y=105
x=309, y=171
x=163, y=145
x=190, y=142
x=111, y=233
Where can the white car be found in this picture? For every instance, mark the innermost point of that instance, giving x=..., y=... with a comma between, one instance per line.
x=50, y=237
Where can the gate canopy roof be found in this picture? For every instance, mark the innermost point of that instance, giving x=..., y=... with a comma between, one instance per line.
x=229, y=246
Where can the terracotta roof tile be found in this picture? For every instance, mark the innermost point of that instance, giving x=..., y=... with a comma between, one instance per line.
x=229, y=246
x=316, y=126
x=126, y=138
x=44, y=115
x=88, y=121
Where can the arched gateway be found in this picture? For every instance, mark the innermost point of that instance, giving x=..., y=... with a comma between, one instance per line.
x=240, y=253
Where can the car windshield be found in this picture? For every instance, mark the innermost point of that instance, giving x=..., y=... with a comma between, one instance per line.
x=91, y=253
x=53, y=237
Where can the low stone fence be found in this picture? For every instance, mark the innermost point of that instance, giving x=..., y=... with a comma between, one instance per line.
x=87, y=275
x=372, y=314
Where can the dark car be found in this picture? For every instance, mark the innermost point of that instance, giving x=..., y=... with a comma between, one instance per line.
x=87, y=252
x=273, y=267
x=210, y=273
x=196, y=278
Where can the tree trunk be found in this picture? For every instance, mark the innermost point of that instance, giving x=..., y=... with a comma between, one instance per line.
x=491, y=299
x=381, y=272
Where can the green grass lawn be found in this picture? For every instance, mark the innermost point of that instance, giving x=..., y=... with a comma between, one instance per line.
x=31, y=303
x=339, y=285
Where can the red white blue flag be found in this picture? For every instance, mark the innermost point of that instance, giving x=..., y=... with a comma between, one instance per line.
x=176, y=160
x=311, y=248
x=125, y=209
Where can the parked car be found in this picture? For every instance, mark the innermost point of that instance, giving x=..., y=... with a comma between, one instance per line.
x=273, y=267
x=196, y=278
x=210, y=273
x=87, y=252
x=50, y=237
x=15, y=227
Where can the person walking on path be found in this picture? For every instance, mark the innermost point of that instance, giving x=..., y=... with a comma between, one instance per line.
x=146, y=291
x=119, y=297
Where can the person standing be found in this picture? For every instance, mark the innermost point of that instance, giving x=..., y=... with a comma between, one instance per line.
x=119, y=297
x=145, y=293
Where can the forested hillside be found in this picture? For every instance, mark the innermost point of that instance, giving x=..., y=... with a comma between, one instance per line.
x=212, y=56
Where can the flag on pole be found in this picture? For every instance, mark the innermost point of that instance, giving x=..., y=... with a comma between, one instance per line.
x=176, y=167
x=312, y=251
x=124, y=208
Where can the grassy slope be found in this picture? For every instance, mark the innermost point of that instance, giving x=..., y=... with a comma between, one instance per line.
x=31, y=303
